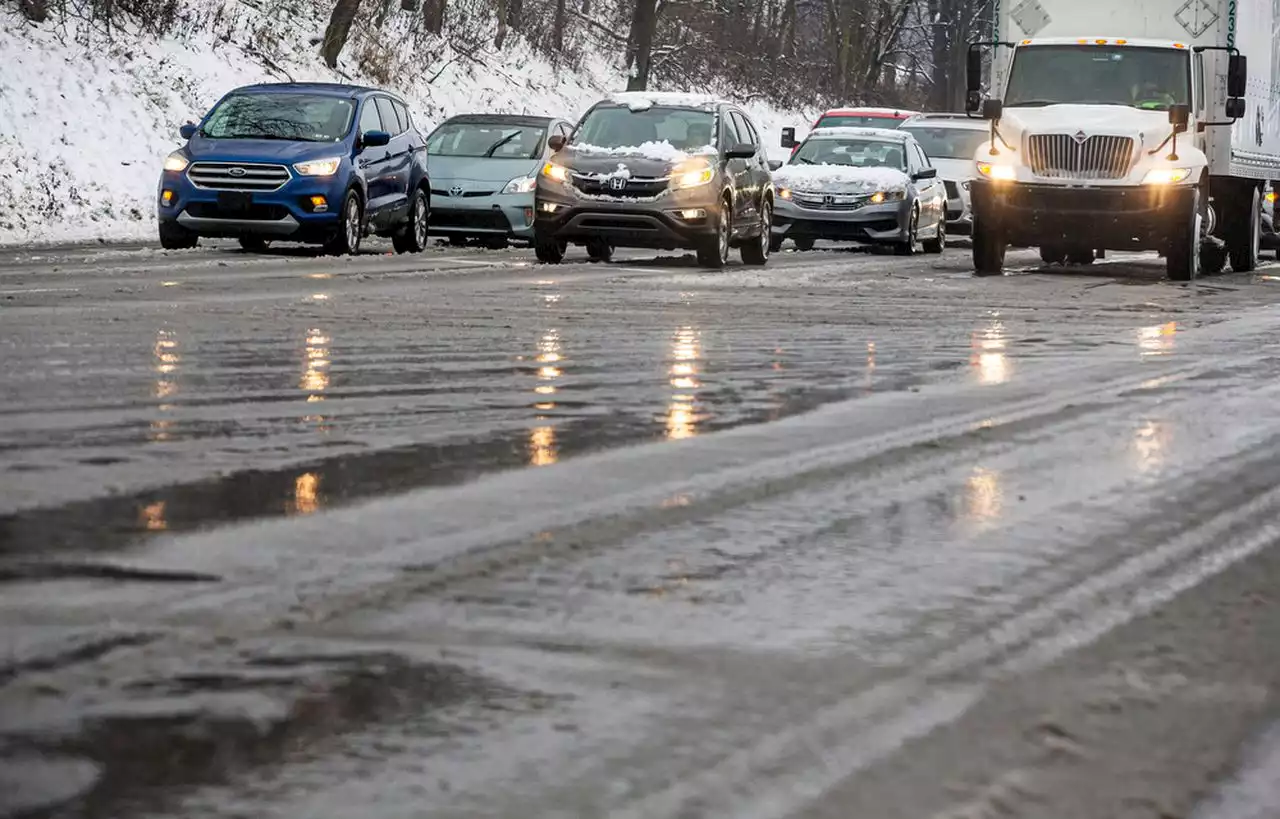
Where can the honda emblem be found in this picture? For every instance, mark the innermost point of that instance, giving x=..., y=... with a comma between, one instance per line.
x=236, y=172
x=828, y=200
x=456, y=190
x=617, y=183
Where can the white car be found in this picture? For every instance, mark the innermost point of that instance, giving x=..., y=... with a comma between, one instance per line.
x=950, y=141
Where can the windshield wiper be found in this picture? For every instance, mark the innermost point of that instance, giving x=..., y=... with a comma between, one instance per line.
x=1033, y=103
x=264, y=136
x=501, y=142
x=802, y=159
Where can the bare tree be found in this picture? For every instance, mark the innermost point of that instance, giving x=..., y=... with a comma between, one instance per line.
x=338, y=30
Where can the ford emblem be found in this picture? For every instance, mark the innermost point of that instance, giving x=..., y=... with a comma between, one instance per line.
x=236, y=172
x=617, y=183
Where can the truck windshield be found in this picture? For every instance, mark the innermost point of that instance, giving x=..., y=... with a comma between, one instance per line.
x=1151, y=78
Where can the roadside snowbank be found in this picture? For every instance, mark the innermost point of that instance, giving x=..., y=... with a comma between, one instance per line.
x=85, y=123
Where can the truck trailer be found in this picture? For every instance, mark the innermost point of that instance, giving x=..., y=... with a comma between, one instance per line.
x=1146, y=125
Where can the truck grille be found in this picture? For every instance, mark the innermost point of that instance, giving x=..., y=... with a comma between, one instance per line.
x=1061, y=156
x=818, y=201
x=633, y=188
x=238, y=176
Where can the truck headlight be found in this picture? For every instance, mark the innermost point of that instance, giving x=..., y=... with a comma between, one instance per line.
x=991, y=170
x=521, y=184
x=319, y=167
x=1165, y=176
x=176, y=162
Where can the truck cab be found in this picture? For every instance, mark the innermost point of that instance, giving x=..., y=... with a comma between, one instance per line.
x=1119, y=142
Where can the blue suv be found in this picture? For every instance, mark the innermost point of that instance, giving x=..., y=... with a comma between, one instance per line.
x=300, y=162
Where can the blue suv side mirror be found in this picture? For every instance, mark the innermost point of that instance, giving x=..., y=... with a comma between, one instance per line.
x=374, y=139
x=189, y=130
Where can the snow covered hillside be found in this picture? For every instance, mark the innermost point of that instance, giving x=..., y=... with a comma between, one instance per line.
x=85, y=120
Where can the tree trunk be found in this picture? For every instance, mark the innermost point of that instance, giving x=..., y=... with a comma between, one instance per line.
x=433, y=12
x=557, y=32
x=37, y=11
x=641, y=44
x=338, y=30
x=503, y=9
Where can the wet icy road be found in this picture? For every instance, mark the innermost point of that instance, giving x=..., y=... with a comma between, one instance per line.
x=296, y=537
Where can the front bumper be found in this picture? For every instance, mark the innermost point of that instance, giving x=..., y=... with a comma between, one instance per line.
x=285, y=213
x=1270, y=238
x=1110, y=217
x=655, y=224
x=873, y=224
x=494, y=214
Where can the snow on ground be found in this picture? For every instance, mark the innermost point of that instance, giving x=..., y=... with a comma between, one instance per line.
x=85, y=122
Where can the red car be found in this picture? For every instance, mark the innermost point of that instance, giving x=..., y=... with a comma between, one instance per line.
x=858, y=118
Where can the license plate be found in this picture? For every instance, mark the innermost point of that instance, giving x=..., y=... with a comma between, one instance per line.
x=235, y=200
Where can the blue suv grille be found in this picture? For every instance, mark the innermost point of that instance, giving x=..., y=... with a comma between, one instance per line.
x=238, y=176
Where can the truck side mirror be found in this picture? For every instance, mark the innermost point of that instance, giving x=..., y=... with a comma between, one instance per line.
x=1179, y=116
x=788, y=137
x=973, y=72
x=992, y=109
x=1235, y=108
x=1237, y=75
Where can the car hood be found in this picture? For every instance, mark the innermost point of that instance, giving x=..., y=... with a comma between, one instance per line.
x=445, y=171
x=839, y=178
x=261, y=150
x=1149, y=127
x=652, y=160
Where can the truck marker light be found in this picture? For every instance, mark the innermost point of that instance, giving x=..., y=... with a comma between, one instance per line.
x=1122, y=42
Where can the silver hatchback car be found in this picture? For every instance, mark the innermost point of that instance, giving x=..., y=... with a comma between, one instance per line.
x=484, y=172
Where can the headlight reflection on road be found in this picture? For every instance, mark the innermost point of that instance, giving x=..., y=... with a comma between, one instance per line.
x=152, y=517
x=548, y=358
x=315, y=376
x=1157, y=339
x=682, y=415
x=542, y=446
x=167, y=359
x=988, y=359
x=306, y=493
x=1151, y=441
x=984, y=497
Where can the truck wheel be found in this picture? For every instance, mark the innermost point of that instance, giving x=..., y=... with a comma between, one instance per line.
x=1080, y=255
x=1213, y=259
x=1053, y=254
x=176, y=237
x=1182, y=256
x=989, y=247
x=1245, y=242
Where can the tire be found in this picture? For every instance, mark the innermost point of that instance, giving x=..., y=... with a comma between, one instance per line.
x=938, y=243
x=1244, y=240
x=1080, y=256
x=775, y=245
x=1053, y=254
x=989, y=248
x=346, y=240
x=549, y=250
x=457, y=241
x=1213, y=259
x=176, y=237
x=497, y=243
x=803, y=245
x=713, y=251
x=253, y=244
x=1183, y=254
x=413, y=237
x=911, y=244
x=599, y=250
x=756, y=252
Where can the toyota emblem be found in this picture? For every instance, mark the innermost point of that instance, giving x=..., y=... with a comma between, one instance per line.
x=617, y=183
x=236, y=172
x=456, y=190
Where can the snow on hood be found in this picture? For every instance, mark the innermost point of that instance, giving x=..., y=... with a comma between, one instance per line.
x=839, y=178
x=955, y=170
x=1119, y=120
x=662, y=151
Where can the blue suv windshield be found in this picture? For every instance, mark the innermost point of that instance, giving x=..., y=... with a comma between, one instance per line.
x=293, y=117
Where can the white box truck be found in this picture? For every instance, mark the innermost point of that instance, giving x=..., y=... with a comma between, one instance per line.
x=1138, y=125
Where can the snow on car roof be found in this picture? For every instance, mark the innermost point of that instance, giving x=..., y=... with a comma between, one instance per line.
x=886, y=134
x=665, y=99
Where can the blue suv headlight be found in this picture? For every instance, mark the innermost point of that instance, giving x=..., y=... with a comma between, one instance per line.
x=176, y=162
x=319, y=167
